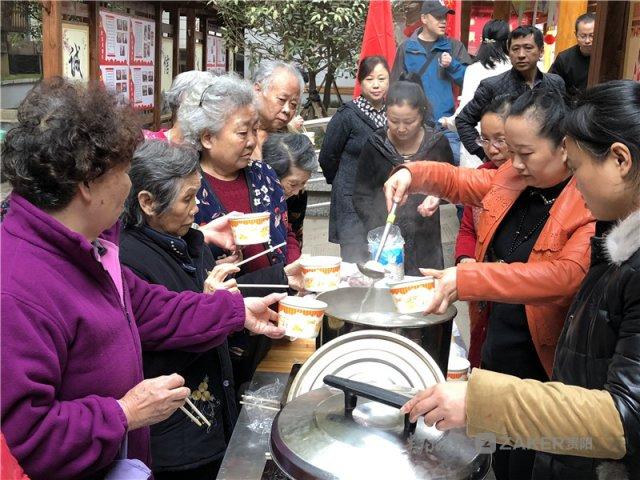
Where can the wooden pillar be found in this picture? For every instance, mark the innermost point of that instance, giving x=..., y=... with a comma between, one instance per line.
x=204, y=29
x=568, y=11
x=175, y=34
x=51, y=38
x=191, y=39
x=94, y=40
x=157, y=70
x=607, y=53
x=501, y=10
x=465, y=22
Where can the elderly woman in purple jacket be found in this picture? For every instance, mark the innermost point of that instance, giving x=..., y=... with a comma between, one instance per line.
x=74, y=323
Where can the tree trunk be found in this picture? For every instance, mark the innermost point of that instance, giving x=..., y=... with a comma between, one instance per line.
x=313, y=108
x=328, y=83
x=312, y=82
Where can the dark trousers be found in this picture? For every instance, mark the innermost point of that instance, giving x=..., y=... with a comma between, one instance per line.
x=513, y=464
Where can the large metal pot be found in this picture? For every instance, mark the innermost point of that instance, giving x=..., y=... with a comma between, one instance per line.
x=357, y=308
x=360, y=433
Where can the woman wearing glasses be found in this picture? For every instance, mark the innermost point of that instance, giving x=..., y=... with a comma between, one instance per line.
x=496, y=153
x=532, y=253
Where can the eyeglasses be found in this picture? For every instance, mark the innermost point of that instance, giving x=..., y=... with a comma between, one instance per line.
x=585, y=36
x=484, y=143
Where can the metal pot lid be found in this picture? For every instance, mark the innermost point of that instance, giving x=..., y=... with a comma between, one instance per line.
x=372, y=356
x=311, y=437
x=374, y=307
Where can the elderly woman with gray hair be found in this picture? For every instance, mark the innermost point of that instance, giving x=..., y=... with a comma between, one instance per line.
x=278, y=86
x=159, y=246
x=173, y=97
x=220, y=119
x=293, y=158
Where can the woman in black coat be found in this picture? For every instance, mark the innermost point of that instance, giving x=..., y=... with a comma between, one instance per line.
x=346, y=134
x=407, y=137
x=159, y=245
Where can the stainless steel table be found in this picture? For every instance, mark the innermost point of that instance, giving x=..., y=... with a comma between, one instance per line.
x=245, y=456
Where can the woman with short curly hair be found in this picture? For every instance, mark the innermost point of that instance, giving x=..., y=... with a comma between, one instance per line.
x=74, y=323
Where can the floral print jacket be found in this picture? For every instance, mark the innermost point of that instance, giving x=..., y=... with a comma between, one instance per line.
x=266, y=195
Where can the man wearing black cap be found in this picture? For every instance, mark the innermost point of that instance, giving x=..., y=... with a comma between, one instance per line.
x=438, y=61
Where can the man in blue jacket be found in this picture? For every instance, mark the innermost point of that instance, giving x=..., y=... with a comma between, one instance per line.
x=438, y=60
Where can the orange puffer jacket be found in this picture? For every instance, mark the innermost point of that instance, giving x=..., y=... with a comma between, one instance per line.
x=547, y=282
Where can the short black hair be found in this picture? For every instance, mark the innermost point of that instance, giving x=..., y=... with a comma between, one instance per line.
x=585, y=18
x=547, y=107
x=368, y=64
x=408, y=89
x=524, y=31
x=605, y=114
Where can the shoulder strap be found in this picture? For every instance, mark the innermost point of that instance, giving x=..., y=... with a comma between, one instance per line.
x=427, y=62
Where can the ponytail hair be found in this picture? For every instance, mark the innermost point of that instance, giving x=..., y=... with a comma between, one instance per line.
x=605, y=114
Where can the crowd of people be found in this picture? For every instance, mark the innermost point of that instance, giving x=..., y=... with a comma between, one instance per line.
x=122, y=300
x=138, y=304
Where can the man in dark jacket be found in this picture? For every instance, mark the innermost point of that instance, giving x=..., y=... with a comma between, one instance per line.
x=573, y=64
x=525, y=49
x=438, y=60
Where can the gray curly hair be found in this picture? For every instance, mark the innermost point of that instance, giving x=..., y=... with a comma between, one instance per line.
x=209, y=103
x=266, y=69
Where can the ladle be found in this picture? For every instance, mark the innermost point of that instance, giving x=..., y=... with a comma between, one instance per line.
x=373, y=268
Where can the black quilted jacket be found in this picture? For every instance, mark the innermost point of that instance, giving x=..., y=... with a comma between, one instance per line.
x=600, y=349
x=509, y=82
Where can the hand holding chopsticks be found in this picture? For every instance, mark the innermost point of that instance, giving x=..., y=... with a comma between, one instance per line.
x=153, y=400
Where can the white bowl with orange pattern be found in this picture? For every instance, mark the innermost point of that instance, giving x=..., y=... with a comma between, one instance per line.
x=413, y=296
x=250, y=228
x=301, y=317
x=321, y=273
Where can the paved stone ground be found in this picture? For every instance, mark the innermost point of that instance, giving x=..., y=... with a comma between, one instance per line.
x=316, y=243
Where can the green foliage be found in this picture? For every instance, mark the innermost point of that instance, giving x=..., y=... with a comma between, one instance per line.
x=32, y=11
x=319, y=34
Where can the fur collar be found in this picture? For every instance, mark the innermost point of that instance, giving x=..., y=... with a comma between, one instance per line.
x=624, y=239
x=612, y=471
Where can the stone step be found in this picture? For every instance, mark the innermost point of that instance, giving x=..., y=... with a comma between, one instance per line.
x=317, y=183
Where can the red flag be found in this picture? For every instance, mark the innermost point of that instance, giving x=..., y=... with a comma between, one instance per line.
x=453, y=21
x=378, y=38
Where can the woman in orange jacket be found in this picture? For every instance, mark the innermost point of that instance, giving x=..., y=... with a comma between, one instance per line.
x=532, y=251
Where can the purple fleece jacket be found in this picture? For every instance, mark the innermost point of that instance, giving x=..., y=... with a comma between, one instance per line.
x=69, y=348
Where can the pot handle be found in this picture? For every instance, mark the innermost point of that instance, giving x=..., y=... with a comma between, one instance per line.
x=353, y=389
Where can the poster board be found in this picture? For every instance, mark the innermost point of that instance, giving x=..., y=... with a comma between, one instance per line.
x=197, y=61
x=142, y=60
x=221, y=54
x=127, y=58
x=216, y=53
x=211, y=53
x=166, y=68
x=75, y=52
x=632, y=58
